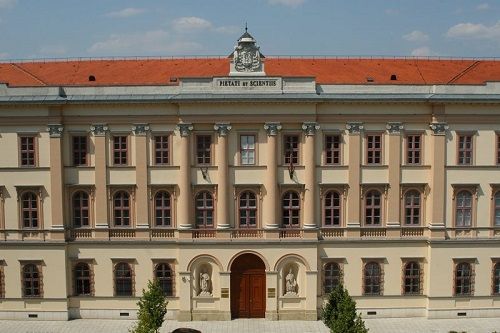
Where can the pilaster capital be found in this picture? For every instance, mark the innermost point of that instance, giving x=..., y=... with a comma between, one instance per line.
x=222, y=128
x=354, y=127
x=185, y=129
x=394, y=128
x=439, y=128
x=140, y=129
x=310, y=128
x=55, y=130
x=99, y=129
x=272, y=128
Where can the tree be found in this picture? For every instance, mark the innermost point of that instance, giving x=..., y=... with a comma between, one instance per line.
x=152, y=309
x=339, y=314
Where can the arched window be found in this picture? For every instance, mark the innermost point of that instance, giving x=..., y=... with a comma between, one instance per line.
x=31, y=281
x=463, y=279
x=412, y=278
x=372, y=278
x=123, y=279
x=29, y=207
x=163, y=274
x=121, y=209
x=373, y=208
x=496, y=279
x=291, y=210
x=332, y=276
x=163, y=209
x=497, y=209
x=332, y=209
x=204, y=210
x=463, y=209
x=82, y=277
x=248, y=209
x=81, y=209
x=412, y=207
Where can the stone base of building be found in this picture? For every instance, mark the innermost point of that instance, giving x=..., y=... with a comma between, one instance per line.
x=462, y=313
x=271, y=315
x=392, y=312
x=297, y=315
x=202, y=315
x=34, y=315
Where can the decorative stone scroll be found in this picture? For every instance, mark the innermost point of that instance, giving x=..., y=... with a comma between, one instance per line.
x=354, y=127
x=99, y=129
x=185, y=129
x=439, y=128
x=394, y=128
x=310, y=128
x=140, y=129
x=222, y=128
x=272, y=128
x=55, y=130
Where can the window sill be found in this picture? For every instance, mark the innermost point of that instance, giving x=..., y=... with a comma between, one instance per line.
x=375, y=166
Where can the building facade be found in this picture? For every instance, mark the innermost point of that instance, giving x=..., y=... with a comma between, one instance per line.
x=250, y=191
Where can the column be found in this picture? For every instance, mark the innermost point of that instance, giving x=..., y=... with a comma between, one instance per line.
x=56, y=181
x=184, y=198
x=101, y=180
x=141, y=174
x=437, y=194
x=271, y=179
x=310, y=194
x=223, y=186
x=354, y=177
x=394, y=162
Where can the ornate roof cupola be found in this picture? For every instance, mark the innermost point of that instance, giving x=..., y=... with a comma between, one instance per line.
x=246, y=60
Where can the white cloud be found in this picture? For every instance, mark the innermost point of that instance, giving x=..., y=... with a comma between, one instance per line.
x=423, y=51
x=288, y=3
x=127, y=12
x=7, y=3
x=228, y=29
x=416, y=36
x=53, y=50
x=474, y=31
x=483, y=6
x=191, y=23
x=155, y=41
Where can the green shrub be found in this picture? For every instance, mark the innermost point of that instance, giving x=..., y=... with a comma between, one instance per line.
x=339, y=313
x=152, y=309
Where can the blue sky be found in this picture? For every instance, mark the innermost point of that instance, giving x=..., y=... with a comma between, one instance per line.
x=97, y=28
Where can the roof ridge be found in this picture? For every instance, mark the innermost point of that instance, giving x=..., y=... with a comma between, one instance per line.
x=28, y=73
x=465, y=71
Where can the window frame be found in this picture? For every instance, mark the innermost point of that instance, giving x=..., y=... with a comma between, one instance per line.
x=340, y=265
x=112, y=191
x=365, y=190
x=340, y=208
x=495, y=190
x=421, y=207
x=87, y=151
x=284, y=149
x=472, y=189
x=497, y=148
x=368, y=150
x=339, y=150
x=38, y=191
x=471, y=282
x=211, y=148
x=36, y=150
x=168, y=149
x=472, y=135
x=89, y=209
x=379, y=262
x=159, y=262
x=495, y=279
x=407, y=150
x=155, y=209
x=38, y=266
x=2, y=207
x=130, y=264
x=247, y=209
x=240, y=148
x=90, y=278
x=2, y=279
x=127, y=150
x=212, y=192
x=299, y=209
x=420, y=276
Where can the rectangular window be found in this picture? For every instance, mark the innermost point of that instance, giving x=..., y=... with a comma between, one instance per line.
x=203, y=149
x=332, y=149
x=413, y=149
x=465, y=150
x=247, y=149
x=161, y=150
x=498, y=149
x=374, y=149
x=291, y=150
x=120, y=150
x=79, y=150
x=28, y=151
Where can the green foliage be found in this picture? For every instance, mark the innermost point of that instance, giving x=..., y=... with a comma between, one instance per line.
x=152, y=309
x=339, y=314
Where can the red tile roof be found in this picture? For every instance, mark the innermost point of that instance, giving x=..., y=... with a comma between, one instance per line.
x=325, y=71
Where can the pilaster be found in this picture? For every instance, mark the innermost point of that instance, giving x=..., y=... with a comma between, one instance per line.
x=99, y=131
x=354, y=178
x=438, y=185
x=56, y=180
x=271, y=181
x=141, y=168
x=184, y=182
x=222, y=130
x=394, y=163
x=309, y=155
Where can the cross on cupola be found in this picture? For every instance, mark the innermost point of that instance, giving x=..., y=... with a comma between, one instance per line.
x=246, y=60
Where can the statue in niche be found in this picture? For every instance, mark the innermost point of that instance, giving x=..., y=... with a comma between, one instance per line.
x=290, y=284
x=204, y=284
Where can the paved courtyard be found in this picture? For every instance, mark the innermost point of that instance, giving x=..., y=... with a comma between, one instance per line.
x=412, y=325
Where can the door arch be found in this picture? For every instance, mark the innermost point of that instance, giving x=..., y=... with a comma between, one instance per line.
x=248, y=287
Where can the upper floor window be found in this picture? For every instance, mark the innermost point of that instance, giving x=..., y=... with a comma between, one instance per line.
x=120, y=150
x=291, y=149
x=412, y=207
x=332, y=209
x=161, y=150
x=27, y=150
x=496, y=210
x=463, y=209
x=332, y=150
x=291, y=210
x=29, y=210
x=121, y=209
x=465, y=150
x=203, y=149
x=163, y=274
x=372, y=278
x=123, y=279
x=463, y=279
x=412, y=278
x=79, y=144
x=247, y=149
x=82, y=276
x=204, y=204
x=413, y=149
x=81, y=209
x=496, y=279
x=163, y=209
x=373, y=208
x=248, y=209
x=374, y=149
x=498, y=148
x=332, y=276
x=32, y=282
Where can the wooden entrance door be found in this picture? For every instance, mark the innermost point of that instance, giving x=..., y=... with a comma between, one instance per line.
x=248, y=287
